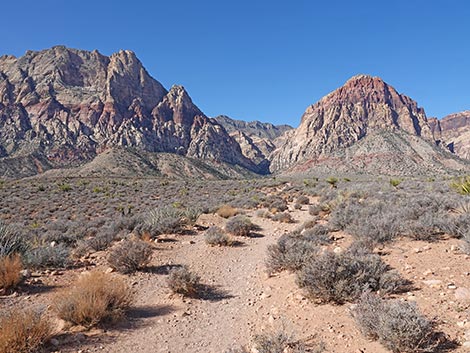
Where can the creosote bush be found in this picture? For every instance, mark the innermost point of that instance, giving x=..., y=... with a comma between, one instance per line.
x=129, y=256
x=240, y=226
x=343, y=277
x=182, y=281
x=95, y=298
x=398, y=325
x=10, y=276
x=217, y=236
x=23, y=331
x=226, y=211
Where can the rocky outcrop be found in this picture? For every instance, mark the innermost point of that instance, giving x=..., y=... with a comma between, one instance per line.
x=256, y=139
x=454, y=131
x=365, y=106
x=65, y=106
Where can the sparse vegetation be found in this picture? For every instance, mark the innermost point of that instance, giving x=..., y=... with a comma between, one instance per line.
x=240, y=226
x=398, y=325
x=11, y=240
x=283, y=217
x=343, y=277
x=182, y=281
x=462, y=185
x=129, y=256
x=24, y=331
x=217, y=236
x=226, y=211
x=10, y=276
x=95, y=298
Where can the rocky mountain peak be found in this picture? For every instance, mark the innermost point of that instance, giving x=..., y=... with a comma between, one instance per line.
x=362, y=106
x=68, y=105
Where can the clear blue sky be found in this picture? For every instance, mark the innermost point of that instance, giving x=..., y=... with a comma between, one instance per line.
x=265, y=60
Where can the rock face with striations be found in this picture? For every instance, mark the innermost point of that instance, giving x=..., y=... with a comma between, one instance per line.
x=62, y=106
x=365, y=108
x=454, y=131
x=256, y=139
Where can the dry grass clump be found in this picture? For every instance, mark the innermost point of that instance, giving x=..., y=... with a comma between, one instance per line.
x=23, y=331
x=303, y=200
x=283, y=217
x=240, y=226
x=129, y=256
x=279, y=341
x=217, y=236
x=95, y=298
x=398, y=325
x=182, y=281
x=226, y=211
x=10, y=276
x=339, y=278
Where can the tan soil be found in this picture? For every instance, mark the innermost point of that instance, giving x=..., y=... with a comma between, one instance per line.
x=244, y=301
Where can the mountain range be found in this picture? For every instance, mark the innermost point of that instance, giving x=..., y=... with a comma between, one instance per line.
x=68, y=111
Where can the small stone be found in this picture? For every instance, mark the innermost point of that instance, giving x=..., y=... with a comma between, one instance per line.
x=337, y=250
x=109, y=270
x=26, y=273
x=433, y=282
x=462, y=294
x=428, y=272
x=55, y=342
x=53, y=243
x=451, y=286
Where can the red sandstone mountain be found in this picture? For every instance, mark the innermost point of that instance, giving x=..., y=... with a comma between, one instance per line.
x=364, y=126
x=61, y=106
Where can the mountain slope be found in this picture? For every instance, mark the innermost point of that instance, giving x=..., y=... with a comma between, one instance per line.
x=366, y=110
x=257, y=140
x=454, y=131
x=67, y=106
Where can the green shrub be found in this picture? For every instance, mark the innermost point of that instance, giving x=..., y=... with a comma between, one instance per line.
x=461, y=185
x=11, y=240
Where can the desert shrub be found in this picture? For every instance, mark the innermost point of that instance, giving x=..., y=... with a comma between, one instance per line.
x=314, y=210
x=102, y=239
x=338, y=278
x=24, y=331
x=456, y=226
x=332, y=181
x=466, y=242
x=283, y=217
x=10, y=276
x=240, y=226
x=318, y=235
x=289, y=253
x=461, y=185
x=164, y=220
x=395, y=182
x=297, y=206
x=182, y=281
x=398, y=325
x=217, y=236
x=303, y=200
x=95, y=298
x=11, y=240
x=47, y=256
x=263, y=214
x=226, y=211
x=275, y=203
x=128, y=256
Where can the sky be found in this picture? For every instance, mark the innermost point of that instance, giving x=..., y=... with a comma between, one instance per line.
x=265, y=60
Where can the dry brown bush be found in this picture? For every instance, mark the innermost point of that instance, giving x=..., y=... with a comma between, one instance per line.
x=226, y=211
x=96, y=297
x=10, y=276
x=130, y=255
x=23, y=331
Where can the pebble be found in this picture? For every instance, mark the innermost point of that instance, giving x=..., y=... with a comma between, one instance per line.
x=462, y=294
x=433, y=282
